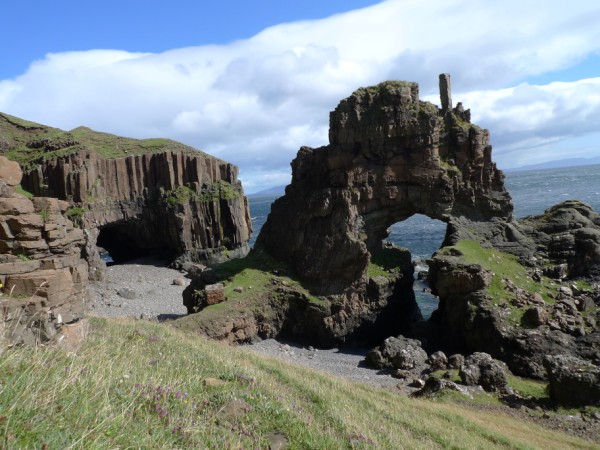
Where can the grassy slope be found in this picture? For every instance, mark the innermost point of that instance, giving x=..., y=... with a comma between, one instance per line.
x=139, y=384
x=505, y=266
x=19, y=138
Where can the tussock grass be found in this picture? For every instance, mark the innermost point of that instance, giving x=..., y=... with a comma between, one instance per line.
x=136, y=384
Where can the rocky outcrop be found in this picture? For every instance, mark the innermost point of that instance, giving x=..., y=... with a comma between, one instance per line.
x=572, y=381
x=135, y=197
x=180, y=205
x=532, y=302
x=390, y=156
x=43, y=274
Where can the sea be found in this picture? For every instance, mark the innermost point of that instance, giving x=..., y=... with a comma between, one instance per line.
x=532, y=191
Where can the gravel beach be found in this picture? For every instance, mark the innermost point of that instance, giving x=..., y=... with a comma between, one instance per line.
x=145, y=288
x=140, y=288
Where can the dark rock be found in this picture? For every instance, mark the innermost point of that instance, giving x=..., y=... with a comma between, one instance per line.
x=401, y=353
x=456, y=361
x=390, y=156
x=482, y=369
x=434, y=385
x=572, y=381
x=438, y=361
x=536, y=316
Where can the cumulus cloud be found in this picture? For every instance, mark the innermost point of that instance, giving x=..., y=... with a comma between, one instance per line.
x=256, y=101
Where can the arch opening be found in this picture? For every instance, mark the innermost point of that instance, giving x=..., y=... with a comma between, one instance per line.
x=123, y=241
x=422, y=236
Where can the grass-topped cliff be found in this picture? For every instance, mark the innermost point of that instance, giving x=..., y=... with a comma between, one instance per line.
x=30, y=143
x=144, y=385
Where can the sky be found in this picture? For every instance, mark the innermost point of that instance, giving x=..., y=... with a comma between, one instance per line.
x=252, y=82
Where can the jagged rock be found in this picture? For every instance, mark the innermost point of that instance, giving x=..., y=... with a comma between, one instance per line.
x=572, y=381
x=390, y=156
x=401, y=353
x=481, y=369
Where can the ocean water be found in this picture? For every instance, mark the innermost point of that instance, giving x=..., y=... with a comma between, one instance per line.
x=532, y=192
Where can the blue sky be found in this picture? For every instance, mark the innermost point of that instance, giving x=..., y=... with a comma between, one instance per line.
x=250, y=82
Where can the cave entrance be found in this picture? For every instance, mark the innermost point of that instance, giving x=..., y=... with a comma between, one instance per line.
x=422, y=236
x=123, y=241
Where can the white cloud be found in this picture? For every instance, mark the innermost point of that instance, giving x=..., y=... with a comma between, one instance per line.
x=256, y=101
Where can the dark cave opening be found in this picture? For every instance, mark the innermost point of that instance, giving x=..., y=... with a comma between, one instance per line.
x=124, y=241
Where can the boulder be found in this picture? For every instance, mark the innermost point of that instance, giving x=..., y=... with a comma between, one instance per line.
x=438, y=361
x=398, y=352
x=481, y=369
x=572, y=381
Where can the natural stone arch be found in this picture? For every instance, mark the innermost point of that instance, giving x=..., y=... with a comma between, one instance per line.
x=390, y=156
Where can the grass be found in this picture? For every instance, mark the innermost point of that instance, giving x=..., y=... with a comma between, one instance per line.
x=504, y=266
x=136, y=384
x=20, y=190
x=30, y=143
x=258, y=273
x=388, y=260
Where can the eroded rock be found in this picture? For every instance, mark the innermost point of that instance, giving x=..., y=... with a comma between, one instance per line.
x=572, y=381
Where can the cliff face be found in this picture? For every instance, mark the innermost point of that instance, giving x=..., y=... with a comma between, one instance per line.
x=135, y=197
x=390, y=156
x=43, y=274
x=184, y=205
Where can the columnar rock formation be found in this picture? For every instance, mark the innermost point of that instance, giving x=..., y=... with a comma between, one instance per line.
x=134, y=197
x=43, y=274
x=182, y=205
x=390, y=156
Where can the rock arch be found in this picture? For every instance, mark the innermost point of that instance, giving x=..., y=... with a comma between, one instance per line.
x=390, y=156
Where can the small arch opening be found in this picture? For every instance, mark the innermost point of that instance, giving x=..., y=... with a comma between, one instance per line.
x=422, y=236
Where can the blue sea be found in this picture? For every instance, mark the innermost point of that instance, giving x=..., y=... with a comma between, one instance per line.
x=532, y=193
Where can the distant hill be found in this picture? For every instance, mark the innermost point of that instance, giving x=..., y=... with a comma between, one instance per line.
x=571, y=162
x=276, y=191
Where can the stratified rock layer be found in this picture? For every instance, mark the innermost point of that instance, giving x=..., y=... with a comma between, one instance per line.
x=43, y=275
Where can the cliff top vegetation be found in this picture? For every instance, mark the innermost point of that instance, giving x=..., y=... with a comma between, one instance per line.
x=30, y=143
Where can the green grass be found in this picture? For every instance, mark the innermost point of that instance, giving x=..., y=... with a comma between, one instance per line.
x=136, y=384
x=30, y=143
x=258, y=274
x=388, y=260
x=75, y=211
x=504, y=266
x=20, y=190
